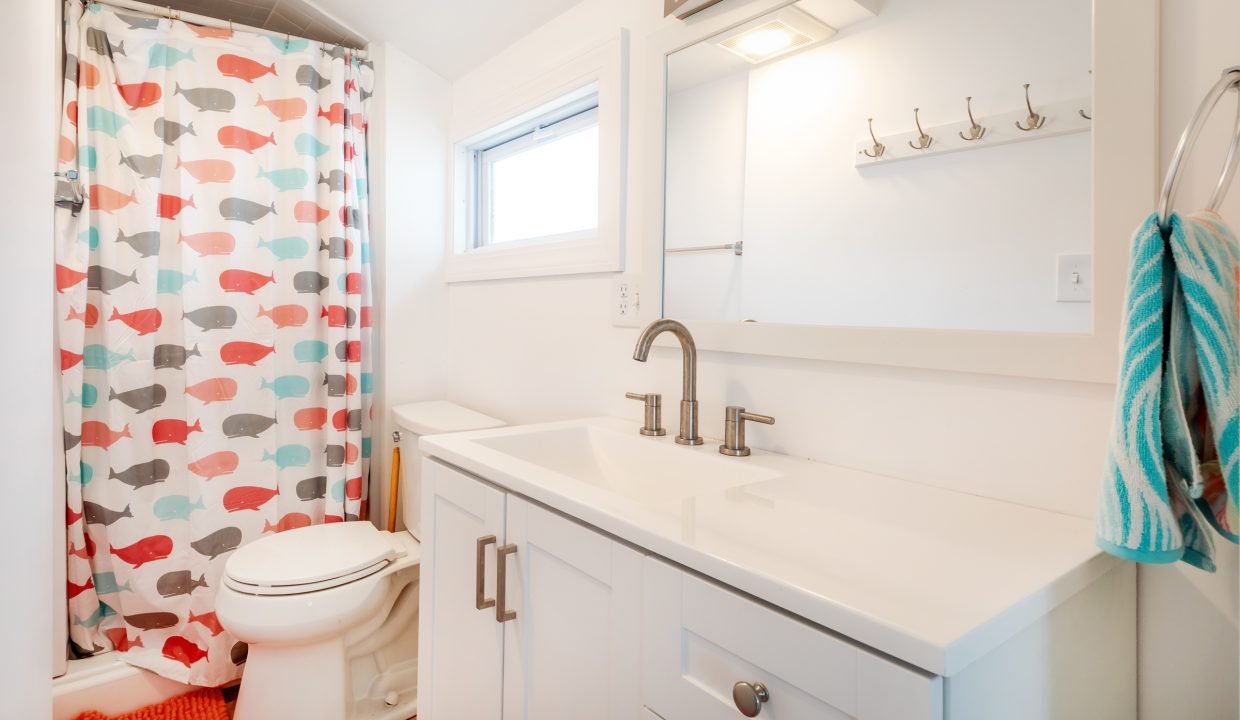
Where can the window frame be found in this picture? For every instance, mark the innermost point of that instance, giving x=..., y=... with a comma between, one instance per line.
x=491, y=112
x=557, y=124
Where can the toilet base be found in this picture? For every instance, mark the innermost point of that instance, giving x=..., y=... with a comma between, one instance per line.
x=341, y=678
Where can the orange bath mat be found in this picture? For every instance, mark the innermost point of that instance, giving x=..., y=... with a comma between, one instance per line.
x=205, y=704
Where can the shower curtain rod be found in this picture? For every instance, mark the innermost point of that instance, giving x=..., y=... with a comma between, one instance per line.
x=197, y=19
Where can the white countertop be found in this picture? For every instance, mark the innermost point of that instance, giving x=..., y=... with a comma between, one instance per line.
x=933, y=577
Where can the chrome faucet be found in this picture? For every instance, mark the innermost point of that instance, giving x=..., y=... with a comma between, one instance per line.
x=688, y=403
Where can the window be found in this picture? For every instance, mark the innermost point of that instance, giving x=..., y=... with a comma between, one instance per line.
x=538, y=170
x=540, y=181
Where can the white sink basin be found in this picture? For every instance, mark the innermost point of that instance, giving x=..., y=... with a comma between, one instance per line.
x=636, y=467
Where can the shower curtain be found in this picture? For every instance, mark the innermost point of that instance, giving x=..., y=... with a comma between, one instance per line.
x=214, y=318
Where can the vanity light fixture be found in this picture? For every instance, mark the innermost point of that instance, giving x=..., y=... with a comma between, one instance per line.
x=775, y=34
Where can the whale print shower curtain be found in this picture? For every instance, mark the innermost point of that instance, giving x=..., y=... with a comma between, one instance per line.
x=214, y=318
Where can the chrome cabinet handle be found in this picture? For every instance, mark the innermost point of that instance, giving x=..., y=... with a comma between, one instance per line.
x=750, y=697
x=481, y=601
x=502, y=613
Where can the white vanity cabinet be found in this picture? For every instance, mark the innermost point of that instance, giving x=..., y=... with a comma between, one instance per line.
x=571, y=648
x=701, y=639
x=631, y=599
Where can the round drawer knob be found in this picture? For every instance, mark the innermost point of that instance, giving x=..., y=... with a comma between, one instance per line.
x=749, y=697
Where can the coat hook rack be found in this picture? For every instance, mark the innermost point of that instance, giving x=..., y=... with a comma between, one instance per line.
x=923, y=140
x=1034, y=121
x=879, y=148
x=1082, y=112
x=975, y=131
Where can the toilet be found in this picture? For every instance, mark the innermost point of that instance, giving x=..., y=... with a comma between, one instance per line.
x=330, y=612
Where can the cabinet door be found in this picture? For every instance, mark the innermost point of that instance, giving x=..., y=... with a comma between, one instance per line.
x=460, y=675
x=700, y=639
x=573, y=649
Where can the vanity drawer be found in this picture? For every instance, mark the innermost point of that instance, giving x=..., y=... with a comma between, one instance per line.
x=700, y=639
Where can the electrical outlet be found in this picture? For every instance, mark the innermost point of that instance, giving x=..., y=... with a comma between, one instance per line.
x=1075, y=278
x=625, y=301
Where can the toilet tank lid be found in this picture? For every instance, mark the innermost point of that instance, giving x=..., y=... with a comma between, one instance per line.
x=440, y=416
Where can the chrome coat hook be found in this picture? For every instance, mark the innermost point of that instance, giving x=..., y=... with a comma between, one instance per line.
x=1034, y=121
x=923, y=140
x=975, y=131
x=878, y=148
x=1082, y=112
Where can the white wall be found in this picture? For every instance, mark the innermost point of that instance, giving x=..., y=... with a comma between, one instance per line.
x=1188, y=620
x=706, y=197
x=543, y=349
x=926, y=244
x=408, y=163
x=32, y=519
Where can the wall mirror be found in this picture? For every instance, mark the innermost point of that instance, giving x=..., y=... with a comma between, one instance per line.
x=905, y=182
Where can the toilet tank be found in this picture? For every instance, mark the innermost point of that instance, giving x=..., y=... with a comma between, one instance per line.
x=415, y=420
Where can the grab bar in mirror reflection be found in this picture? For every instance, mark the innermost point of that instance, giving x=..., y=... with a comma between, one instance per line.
x=737, y=248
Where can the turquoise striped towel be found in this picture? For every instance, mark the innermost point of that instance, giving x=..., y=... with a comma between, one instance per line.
x=1173, y=466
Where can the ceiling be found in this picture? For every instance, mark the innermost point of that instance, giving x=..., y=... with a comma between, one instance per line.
x=451, y=37
x=295, y=17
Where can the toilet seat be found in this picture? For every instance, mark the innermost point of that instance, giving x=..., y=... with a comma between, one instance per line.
x=308, y=559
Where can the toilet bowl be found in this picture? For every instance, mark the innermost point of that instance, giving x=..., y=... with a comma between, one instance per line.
x=330, y=612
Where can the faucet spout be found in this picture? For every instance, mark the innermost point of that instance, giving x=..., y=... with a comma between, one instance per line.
x=688, y=403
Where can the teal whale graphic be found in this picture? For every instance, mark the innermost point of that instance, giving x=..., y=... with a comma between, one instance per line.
x=287, y=178
x=286, y=248
x=99, y=357
x=310, y=351
x=170, y=282
x=289, y=456
x=287, y=386
x=176, y=507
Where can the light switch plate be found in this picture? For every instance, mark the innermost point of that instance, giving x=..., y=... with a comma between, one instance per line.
x=625, y=300
x=1075, y=278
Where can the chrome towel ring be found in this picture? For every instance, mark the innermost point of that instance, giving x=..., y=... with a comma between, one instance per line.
x=1229, y=81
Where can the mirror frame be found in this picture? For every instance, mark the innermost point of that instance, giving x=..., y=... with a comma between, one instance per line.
x=1125, y=178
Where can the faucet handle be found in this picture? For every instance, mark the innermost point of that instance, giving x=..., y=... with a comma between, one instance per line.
x=654, y=412
x=734, y=430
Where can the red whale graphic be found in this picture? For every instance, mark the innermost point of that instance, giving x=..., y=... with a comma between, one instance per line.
x=144, y=321
x=243, y=67
x=244, y=353
x=170, y=205
x=293, y=108
x=148, y=549
x=75, y=590
x=89, y=316
x=213, y=390
x=353, y=284
x=109, y=199
x=68, y=359
x=231, y=136
x=244, y=281
x=337, y=315
x=207, y=620
x=183, y=651
x=88, y=75
x=216, y=464
x=71, y=112
x=140, y=95
x=248, y=497
x=120, y=639
x=288, y=522
x=353, y=488
x=67, y=277
x=351, y=452
x=208, y=171
x=285, y=315
x=71, y=515
x=335, y=114
x=210, y=243
x=173, y=431
x=365, y=315
x=209, y=32
x=349, y=152
x=311, y=418
x=67, y=150
x=309, y=212
x=98, y=434
x=332, y=518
